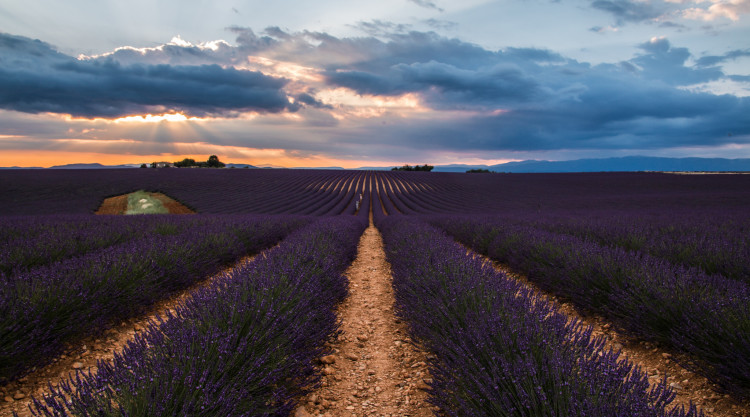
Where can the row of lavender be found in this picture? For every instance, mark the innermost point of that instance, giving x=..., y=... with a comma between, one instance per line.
x=717, y=241
x=101, y=270
x=705, y=316
x=500, y=350
x=243, y=346
x=29, y=241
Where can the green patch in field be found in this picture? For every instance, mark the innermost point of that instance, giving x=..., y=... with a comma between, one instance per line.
x=141, y=202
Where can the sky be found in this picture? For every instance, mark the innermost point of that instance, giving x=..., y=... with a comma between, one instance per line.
x=353, y=84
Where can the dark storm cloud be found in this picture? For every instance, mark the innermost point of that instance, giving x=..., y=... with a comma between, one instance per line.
x=592, y=123
x=444, y=85
x=311, y=101
x=447, y=73
x=545, y=101
x=35, y=78
x=628, y=10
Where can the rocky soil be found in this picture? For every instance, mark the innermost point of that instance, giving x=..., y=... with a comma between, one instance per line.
x=375, y=370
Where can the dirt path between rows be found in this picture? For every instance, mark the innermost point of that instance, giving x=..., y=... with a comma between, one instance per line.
x=655, y=360
x=375, y=369
x=16, y=396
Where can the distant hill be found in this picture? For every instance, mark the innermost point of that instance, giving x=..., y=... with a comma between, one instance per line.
x=240, y=166
x=628, y=163
x=269, y=166
x=334, y=168
x=92, y=166
x=622, y=164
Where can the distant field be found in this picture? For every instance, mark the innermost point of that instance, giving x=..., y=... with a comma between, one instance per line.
x=664, y=259
x=298, y=191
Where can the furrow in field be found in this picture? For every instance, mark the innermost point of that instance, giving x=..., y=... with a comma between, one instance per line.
x=375, y=369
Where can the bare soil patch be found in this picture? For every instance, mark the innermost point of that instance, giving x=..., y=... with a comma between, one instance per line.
x=16, y=396
x=119, y=204
x=114, y=205
x=652, y=359
x=375, y=370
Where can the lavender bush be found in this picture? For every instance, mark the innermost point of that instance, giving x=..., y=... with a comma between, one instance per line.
x=715, y=241
x=245, y=346
x=500, y=351
x=706, y=316
x=30, y=241
x=44, y=308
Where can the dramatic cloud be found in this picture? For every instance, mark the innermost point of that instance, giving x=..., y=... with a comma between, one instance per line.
x=395, y=93
x=444, y=85
x=524, y=98
x=35, y=78
x=666, y=63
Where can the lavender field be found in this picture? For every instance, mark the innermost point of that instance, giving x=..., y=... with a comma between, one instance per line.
x=664, y=258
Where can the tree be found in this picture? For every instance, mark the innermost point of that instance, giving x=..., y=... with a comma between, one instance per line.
x=213, y=162
x=185, y=163
x=408, y=167
x=153, y=165
x=144, y=166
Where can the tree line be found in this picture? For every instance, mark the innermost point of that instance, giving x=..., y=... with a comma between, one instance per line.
x=212, y=162
x=408, y=167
